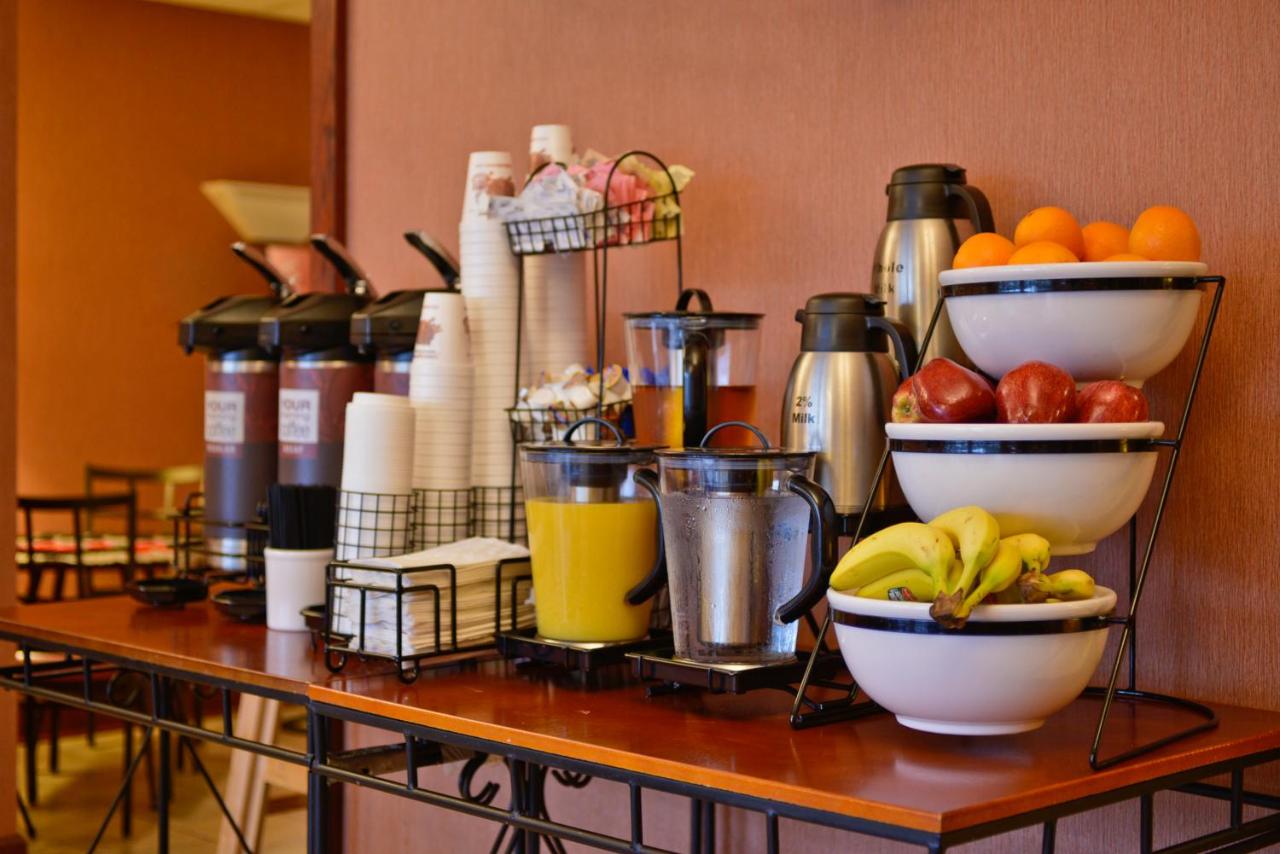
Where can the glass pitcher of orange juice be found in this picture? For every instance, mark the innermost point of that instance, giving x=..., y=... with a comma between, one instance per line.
x=692, y=369
x=593, y=536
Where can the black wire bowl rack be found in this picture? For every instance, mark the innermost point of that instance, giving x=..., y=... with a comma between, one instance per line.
x=631, y=224
x=550, y=425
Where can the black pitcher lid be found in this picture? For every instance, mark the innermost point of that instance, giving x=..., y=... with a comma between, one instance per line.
x=705, y=317
x=927, y=173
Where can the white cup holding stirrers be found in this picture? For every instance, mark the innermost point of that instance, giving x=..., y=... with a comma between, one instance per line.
x=549, y=144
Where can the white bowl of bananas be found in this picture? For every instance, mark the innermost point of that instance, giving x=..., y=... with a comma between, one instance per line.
x=1075, y=484
x=957, y=630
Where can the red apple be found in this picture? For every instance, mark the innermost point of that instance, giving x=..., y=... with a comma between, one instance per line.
x=1036, y=393
x=948, y=393
x=1110, y=401
x=905, y=410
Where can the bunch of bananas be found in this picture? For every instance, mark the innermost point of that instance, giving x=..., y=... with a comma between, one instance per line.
x=956, y=561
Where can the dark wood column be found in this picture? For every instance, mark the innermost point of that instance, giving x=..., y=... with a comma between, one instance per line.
x=328, y=129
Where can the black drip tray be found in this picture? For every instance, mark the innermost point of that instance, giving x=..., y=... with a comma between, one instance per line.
x=661, y=665
x=582, y=657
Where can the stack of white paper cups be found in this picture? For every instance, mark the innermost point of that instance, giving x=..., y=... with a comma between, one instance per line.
x=377, y=466
x=490, y=286
x=440, y=389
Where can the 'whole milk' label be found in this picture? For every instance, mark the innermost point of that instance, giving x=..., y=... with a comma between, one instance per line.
x=223, y=422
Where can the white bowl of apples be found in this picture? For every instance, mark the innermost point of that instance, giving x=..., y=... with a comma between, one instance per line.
x=1096, y=320
x=1042, y=457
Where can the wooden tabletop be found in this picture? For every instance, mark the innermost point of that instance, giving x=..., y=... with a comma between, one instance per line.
x=872, y=769
x=194, y=639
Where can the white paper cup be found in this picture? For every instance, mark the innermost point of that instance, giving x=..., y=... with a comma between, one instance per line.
x=549, y=144
x=295, y=580
x=442, y=328
x=488, y=175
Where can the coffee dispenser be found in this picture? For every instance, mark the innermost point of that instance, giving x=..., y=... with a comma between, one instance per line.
x=388, y=327
x=932, y=210
x=240, y=385
x=320, y=371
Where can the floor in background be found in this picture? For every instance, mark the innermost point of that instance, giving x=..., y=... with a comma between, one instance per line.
x=73, y=802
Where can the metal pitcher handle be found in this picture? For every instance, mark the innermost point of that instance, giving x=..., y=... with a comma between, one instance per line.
x=648, y=588
x=591, y=419
x=823, y=545
x=902, y=341
x=976, y=206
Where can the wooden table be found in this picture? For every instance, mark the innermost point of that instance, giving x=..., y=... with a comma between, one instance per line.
x=869, y=776
x=161, y=649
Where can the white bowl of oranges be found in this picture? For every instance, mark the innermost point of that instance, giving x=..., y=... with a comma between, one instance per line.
x=1114, y=315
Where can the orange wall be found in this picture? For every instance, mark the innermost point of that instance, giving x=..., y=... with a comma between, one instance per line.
x=124, y=107
x=8, y=378
x=794, y=115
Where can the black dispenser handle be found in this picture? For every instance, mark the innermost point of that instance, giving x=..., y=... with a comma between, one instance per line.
x=446, y=265
x=687, y=295
x=337, y=255
x=976, y=206
x=902, y=341
x=649, y=587
x=823, y=543
x=695, y=393
x=255, y=259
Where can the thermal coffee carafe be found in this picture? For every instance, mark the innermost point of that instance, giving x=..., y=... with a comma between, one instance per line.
x=691, y=369
x=320, y=371
x=388, y=327
x=735, y=523
x=240, y=384
x=839, y=394
x=931, y=212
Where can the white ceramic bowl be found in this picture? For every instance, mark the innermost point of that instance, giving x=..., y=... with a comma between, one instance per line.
x=1010, y=667
x=1095, y=320
x=1073, y=484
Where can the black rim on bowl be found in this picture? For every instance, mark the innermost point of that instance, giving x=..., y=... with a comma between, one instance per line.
x=1065, y=625
x=1053, y=286
x=1024, y=446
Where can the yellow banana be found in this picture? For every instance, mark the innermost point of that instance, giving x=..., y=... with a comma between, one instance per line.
x=906, y=585
x=903, y=546
x=998, y=575
x=1034, y=550
x=1067, y=585
x=974, y=533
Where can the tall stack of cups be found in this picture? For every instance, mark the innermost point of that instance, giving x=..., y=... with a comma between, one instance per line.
x=490, y=287
x=555, y=284
x=441, y=380
x=377, y=482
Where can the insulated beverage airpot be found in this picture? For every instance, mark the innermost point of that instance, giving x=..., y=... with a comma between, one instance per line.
x=239, y=410
x=388, y=327
x=320, y=371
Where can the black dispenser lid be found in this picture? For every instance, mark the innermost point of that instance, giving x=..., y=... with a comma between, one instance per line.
x=230, y=323
x=936, y=191
x=389, y=325
x=317, y=322
x=837, y=323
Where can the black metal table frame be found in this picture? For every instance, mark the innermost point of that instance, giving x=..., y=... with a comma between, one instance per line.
x=34, y=680
x=526, y=815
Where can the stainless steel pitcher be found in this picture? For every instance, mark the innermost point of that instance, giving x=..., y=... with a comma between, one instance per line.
x=931, y=212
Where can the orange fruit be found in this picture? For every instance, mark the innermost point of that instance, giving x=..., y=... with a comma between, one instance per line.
x=1126, y=256
x=985, y=249
x=1043, y=252
x=1164, y=233
x=1103, y=239
x=1053, y=224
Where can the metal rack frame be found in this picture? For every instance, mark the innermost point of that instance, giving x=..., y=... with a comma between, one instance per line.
x=1127, y=649
x=340, y=646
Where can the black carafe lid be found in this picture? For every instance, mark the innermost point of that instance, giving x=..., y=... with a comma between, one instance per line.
x=318, y=322
x=936, y=191
x=837, y=323
x=389, y=325
x=230, y=324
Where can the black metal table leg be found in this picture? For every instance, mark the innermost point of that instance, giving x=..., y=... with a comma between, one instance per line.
x=1049, y=836
x=162, y=802
x=1146, y=826
x=31, y=729
x=317, y=784
x=126, y=804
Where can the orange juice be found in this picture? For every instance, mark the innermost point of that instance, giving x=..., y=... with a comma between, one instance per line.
x=585, y=559
x=659, y=414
